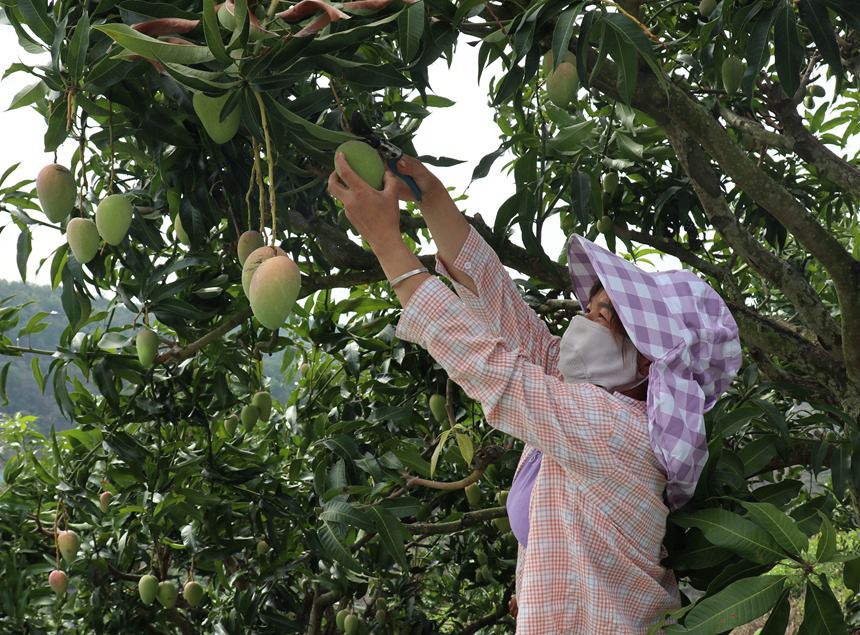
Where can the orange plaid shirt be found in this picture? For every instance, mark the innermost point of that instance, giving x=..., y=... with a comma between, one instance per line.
x=597, y=517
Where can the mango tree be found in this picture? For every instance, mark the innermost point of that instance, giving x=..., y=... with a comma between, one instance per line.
x=721, y=134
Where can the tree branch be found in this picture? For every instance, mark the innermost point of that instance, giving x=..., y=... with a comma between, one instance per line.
x=756, y=130
x=672, y=248
x=490, y=619
x=672, y=107
x=469, y=519
x=706, y=183
x=227, y=325
x=805, y=358
x=809, y=148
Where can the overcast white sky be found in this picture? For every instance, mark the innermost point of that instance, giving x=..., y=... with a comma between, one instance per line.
x=464, y=131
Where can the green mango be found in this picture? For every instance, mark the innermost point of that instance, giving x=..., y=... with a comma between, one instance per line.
x=208, y=109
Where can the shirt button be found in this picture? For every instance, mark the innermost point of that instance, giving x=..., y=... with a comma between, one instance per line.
x=467, y=264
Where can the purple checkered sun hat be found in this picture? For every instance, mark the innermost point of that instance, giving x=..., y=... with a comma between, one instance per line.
x=685, y=328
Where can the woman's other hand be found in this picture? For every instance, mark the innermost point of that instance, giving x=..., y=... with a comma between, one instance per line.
x=513, y=609
x=426, y=181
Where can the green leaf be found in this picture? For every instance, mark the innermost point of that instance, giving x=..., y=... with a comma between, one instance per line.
x=562, y=33
x=572, y=138
x=826, y=540
x=25, y=246
x=335, y=549
x=758, y=453
x=212, y=32
x=57, y=131
x=303, y=126
x=632, y=36
x=777, y=622
x=483, y=168
x=466, y=8
x=37, y=374
x=581, y=182
x=4, y=374
x=822, y=614
x=343, y=445
x=851, y=574
x=390, y=534
x=467, y=448
x=729, y=530
x=78, y=46
x=30, y=94
x=788, y=51
x=739, y=603
x=152, y=48
x=438, y=451
x=410, y=27
x=814, y=15
x=779, y=525
x=345, y=513
x=35, y=14
x=626, y=64
x=758, y=51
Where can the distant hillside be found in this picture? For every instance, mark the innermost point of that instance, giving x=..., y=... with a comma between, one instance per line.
x=22, y=389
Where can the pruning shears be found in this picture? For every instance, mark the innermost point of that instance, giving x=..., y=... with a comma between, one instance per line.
x=389, y=152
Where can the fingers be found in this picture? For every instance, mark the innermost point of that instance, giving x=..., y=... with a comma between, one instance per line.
x=347, y=174
x=335, y=188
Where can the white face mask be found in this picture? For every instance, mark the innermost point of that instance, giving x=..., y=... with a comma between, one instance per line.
x=591, y=354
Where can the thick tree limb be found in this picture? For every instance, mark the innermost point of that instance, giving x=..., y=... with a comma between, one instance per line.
x=672, y=107
x=805, y=358
x=756, y=131
x=672, y=248
x=828, y=164
x=794, y=286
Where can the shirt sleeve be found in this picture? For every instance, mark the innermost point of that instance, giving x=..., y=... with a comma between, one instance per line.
x=570, y=422
x=499, y=304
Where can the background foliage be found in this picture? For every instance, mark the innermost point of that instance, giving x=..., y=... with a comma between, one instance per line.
x=755, y=190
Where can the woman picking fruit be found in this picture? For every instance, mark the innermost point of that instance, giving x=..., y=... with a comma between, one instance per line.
x=611, y=412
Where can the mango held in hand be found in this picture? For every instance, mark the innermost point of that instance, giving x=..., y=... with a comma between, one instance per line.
x=69, y=543
x=273, y=291
x=83, y=238
x=263, y=402
x=473, y=495
x=253, y=261
x=113, y=218
x=167, y=594
x=147, y=588
x=208, y=109
x=364, y=160
x=248, y=243
x=58, y=581
x=147, y=347
x=55, y=187
x=437, y=407
x=732, y=71
x=192, y=592
x=561, y=84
